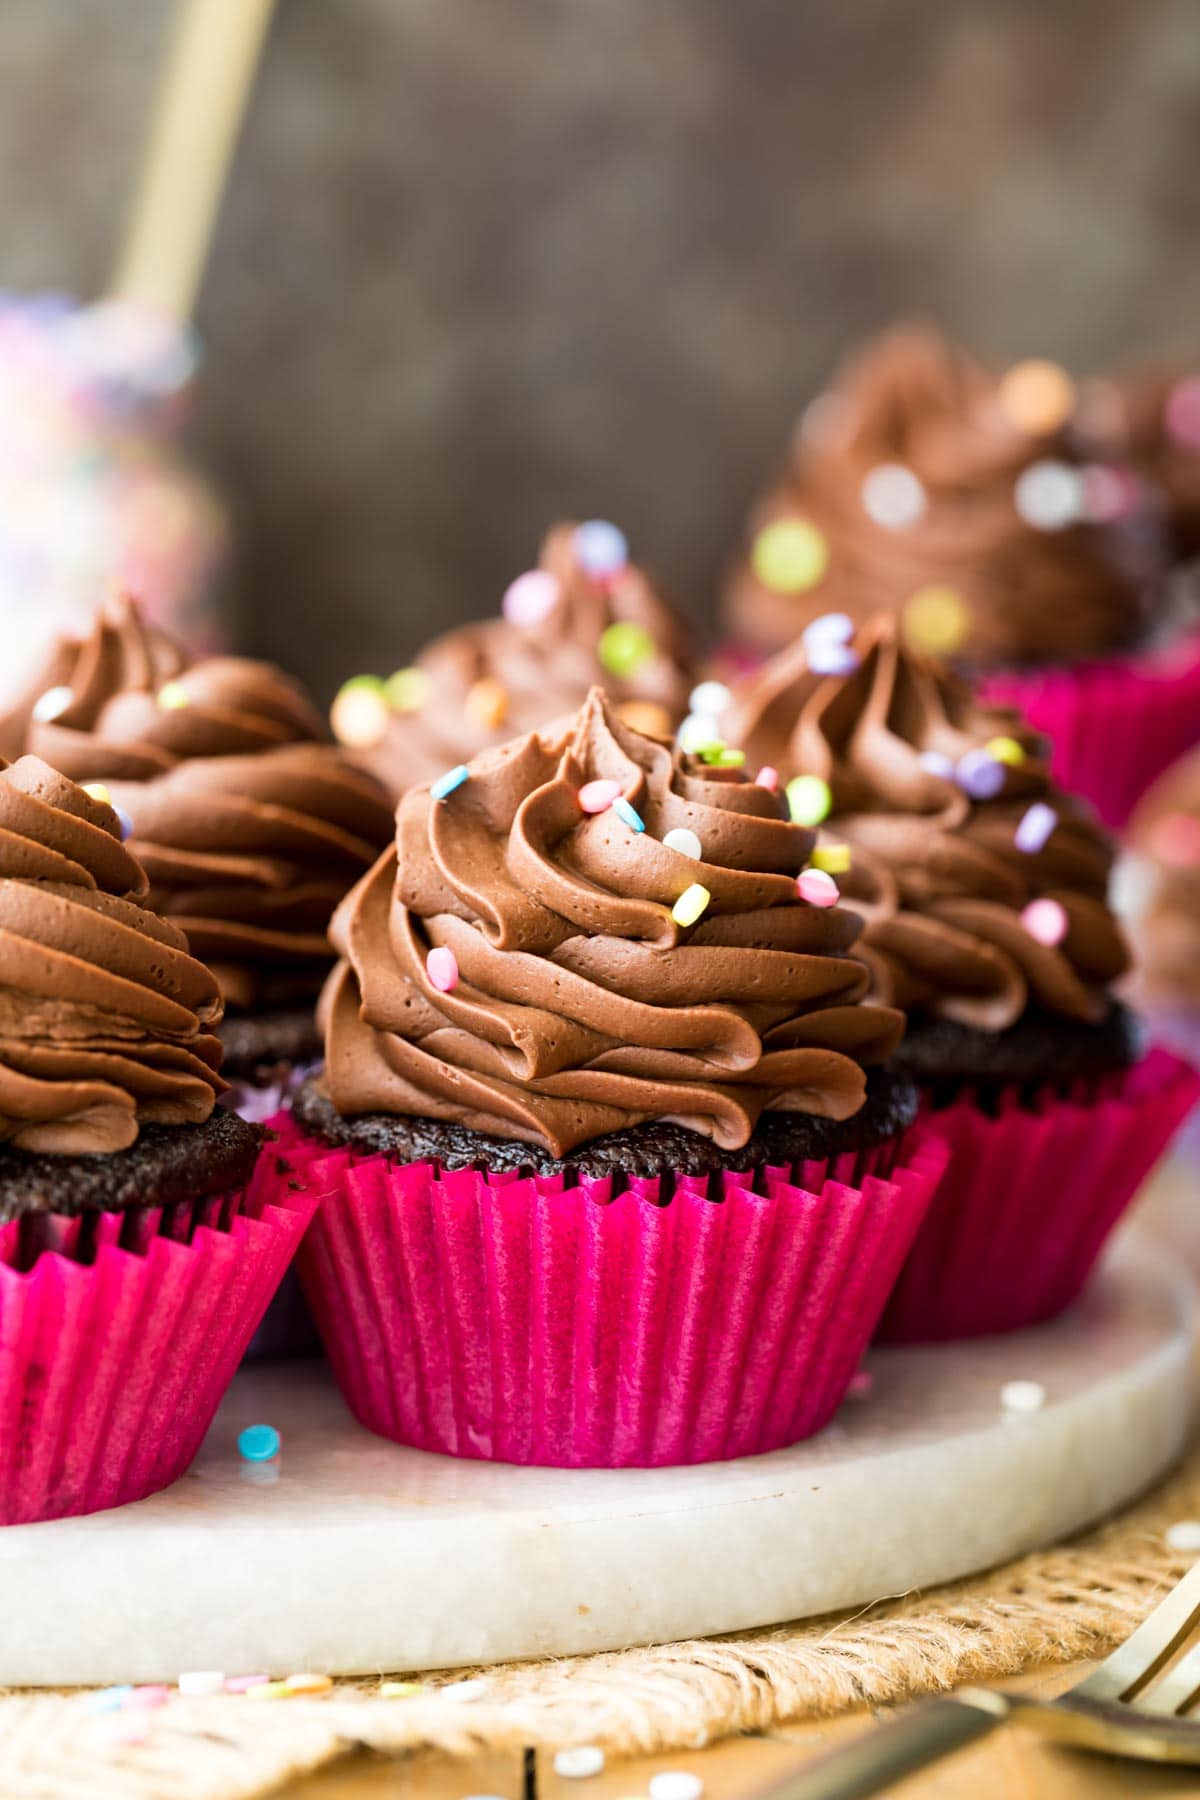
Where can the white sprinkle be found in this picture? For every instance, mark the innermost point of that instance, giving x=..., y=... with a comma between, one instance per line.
x=1184, y=1534
x=579, y=1763
x=675, y=1784
x=684, y=841
x=52, y=703
x=698, y=731
x=1049, y=495
x=893, y=496
x=201, y=1681
x=710, y=697
x=1022, y=1396
x=463, y=1691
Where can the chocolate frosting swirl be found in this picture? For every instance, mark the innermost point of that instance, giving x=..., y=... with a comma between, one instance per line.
x=250, y=825
x=938, y=875
x=501, y=678
x=582, y=1007
x=914, y=401
x=105, y=1019
x=1164, y=835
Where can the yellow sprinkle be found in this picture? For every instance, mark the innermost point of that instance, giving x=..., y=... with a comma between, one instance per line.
x=1005, y=750
x=486, y=703
x=98, y=791
x=809, y=799
x=834, y=859
x=407, y=690
x=401, y=1690
x=359, y=715
x=936, y=620
x=690, y=904
x=173, y=695
x=269, y=1690
x=1038, y=396
x=646, y=716
x=308, y=1684
x=789, y=556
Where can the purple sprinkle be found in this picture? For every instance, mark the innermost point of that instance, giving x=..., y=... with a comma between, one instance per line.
x=936, y=764
x=830, y=628
x=832, y=659
x=1034, y=830
x=124, y=821
x=980, y=775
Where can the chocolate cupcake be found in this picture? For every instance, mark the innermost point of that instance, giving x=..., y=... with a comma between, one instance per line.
x=249, y=823
x=586, y=616
x=137, y=1251
x=601, y=1080
x=1164, y=838
x=1149, y=418
x=970, y=502
x=983, y=887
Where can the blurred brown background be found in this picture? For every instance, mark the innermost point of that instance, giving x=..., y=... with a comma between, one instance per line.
x=490, y=261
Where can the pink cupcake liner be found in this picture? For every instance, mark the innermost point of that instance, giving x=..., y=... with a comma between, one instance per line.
x=1028, y=1201
x=524, y=1320
x=1114, y=726
x=119, y=1334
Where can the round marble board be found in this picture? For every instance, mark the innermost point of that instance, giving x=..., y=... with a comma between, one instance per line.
x=354, y=1556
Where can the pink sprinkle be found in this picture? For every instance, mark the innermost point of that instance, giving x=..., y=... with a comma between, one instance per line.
x=149, y=1696
x=598, y=796
x=441, y=966
x=241, y=1684
x=1046, y=922
x=861, y=1383
x=531, y=598
x=818, y=888
x=768, y=778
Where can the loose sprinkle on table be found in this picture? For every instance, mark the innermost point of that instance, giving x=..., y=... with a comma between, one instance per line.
x=1035, y=829
x=400, y=1690
x=1022, y=1397
x=675, y=1784
x=628, y=814
x=579, y=1762
x=1184, y=1534
x=598, y=796
x=464, y=1691
x=153, y=1695
x=269, y=1690
x=809, y=799
x=817, y=888
x=241, y=1684
x=308, y=1684
x=684, y=842
x=201, y=1681
x=691, y=904
x=109, y=1699
x=1046, y=922
x=447, y=784
x=441, y=966
x=259, y=1443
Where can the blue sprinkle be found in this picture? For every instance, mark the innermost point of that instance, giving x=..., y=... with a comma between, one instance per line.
x=124, y=821
x=446, y=784
x=628, y=814
x=110, y=1699
x=600, y=548
x=259, y=1443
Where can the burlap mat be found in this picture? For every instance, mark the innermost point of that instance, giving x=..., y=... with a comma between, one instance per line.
x=1055, y=1606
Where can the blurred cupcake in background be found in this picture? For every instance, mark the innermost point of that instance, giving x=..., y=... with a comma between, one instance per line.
x=1150, y=419
x=968, y=502
x=250, y=824
x=594, y=991
x=984, y=890
x=137, y=1251
x=585, y=616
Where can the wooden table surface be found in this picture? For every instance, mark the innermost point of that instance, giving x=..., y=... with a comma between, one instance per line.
x=1010, y=1765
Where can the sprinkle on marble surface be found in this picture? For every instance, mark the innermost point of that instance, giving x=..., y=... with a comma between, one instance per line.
x=305, y=1683
x=464, y=1691
x=625, y=647
x=691, y=905
x=809, y=799
x=441, y=966
x=628, y=815
x=818, y=888
x=109, y=1699
x=201, y=1681
x=789, y=556
x=684, y=842
x=173, y=696
x=1046, y=922
x=152, y=1695
x=1184, y=1534
x=832, y=859
x=601, y=548
x=401, y=1690
x=269, y=1690
x=450, y=782
x=579, y=1762
x=52, y=704
x=259, y=1443
x=675, y=1784
x=531, y=598
x=598, y=796
x=710, y=697
x=1036, y=828
x=241, y=1684
x=1022, y=1397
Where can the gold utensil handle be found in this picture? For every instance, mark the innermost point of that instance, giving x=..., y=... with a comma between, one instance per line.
x=916, y=1737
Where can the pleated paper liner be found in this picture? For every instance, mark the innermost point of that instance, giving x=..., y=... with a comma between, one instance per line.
x=1029, y=1199
x=1114, y=726
x=535, y=1321
x=119, y=1334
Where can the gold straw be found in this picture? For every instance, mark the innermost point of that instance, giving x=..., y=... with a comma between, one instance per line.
x=210, y=68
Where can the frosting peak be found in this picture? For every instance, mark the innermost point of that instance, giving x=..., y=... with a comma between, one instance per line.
x=983, y=886
x=566, y=998
x=105, y=1018
x=924, y=480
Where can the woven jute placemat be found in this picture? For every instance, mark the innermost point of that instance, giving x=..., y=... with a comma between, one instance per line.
x=1054, y=1606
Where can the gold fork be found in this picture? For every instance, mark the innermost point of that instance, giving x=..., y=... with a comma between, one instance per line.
x=1125, y=1707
